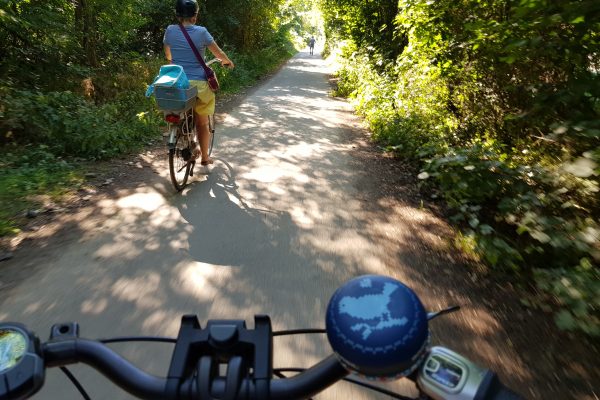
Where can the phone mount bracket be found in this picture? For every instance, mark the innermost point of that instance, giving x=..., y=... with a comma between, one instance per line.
x=200, y=352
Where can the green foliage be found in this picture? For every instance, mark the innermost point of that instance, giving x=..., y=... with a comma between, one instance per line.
x=70, y=125
x=501, y=103
x=75, y=74
x=577, y=291
x=247, y=25
x=303, y=18
x=524, y=217
x=369, y=24
x=26, y=173
x=404, y=104
x=251, y=67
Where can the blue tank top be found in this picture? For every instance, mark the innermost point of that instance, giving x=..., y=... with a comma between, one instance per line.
x=182, y=52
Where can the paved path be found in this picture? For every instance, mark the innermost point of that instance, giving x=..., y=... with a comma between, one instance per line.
x=275, y=228
x=286, y=215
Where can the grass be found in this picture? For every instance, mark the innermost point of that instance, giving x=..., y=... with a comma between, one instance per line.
x=26, y=177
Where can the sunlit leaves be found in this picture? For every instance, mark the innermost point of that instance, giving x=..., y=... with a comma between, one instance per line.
x=369, y=23
x=483, y=94
x=582, y=167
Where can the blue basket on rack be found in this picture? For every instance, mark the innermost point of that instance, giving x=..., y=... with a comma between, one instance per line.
x=172, y=90
x=174, y=99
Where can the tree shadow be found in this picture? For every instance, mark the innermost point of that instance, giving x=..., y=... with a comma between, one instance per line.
x=287, y=214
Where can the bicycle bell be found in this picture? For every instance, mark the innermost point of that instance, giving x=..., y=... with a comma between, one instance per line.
x=377, y=327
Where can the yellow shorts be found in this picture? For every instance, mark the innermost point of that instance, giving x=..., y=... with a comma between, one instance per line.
x=205, y=99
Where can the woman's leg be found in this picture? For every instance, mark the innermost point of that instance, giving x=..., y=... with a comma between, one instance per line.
x=203, y=135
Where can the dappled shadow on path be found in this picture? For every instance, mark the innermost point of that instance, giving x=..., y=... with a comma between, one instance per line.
x=292, y=208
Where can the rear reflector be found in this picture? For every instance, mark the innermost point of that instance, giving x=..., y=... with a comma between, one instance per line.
x=172, y=118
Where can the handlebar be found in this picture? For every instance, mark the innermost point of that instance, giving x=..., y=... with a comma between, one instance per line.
x=106, y=361
x=201, y=381
x=145, y=386
x=376, y=327
x=214, y=60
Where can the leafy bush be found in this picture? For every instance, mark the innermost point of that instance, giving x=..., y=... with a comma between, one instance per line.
x=577, y=292
x=528, y=219
x=501, y=105
x=251, y=67
x=72, y=126
x=551, y=211
x=402, y=102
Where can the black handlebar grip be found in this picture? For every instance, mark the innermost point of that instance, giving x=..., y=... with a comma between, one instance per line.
x=492, y=389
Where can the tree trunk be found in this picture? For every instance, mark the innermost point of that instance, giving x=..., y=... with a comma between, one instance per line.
x=85, y=23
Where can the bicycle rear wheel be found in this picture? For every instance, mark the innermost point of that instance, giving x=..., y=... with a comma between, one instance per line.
x=211, y=132
x=180, y=160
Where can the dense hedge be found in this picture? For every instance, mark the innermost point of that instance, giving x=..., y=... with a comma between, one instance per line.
x=500, y=103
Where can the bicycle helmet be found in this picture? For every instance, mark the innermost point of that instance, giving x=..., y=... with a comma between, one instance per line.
x=186, y=8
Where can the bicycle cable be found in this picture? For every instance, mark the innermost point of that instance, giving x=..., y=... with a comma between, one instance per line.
x=298, y=332
x=278, y=372
x=75, y=382
x=138, y=339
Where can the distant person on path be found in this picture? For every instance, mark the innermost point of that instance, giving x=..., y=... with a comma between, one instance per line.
x=178, y=51
x=311, y=45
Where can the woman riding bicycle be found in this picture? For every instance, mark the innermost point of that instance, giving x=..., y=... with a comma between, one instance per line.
x=178, y=51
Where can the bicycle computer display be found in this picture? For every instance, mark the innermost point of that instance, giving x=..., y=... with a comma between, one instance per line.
x=21, y=362
x=13, y=346
x=443, y=371
x=446, y=375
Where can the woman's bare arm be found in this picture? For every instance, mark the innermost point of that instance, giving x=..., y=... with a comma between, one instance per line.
x=216, y=50
x=168, y=53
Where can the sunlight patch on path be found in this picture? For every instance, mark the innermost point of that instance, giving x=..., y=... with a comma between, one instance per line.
x=147, y=202
x=143, y=291
x=200, y=280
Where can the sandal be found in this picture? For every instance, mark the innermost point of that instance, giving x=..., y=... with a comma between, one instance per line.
x=207, y=162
